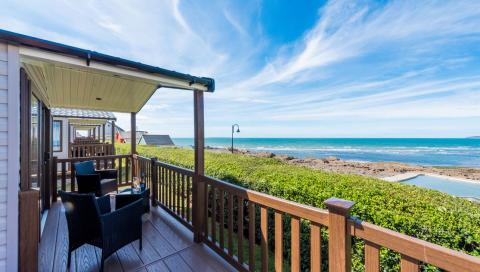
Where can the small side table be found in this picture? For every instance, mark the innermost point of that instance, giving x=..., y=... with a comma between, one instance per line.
x=127, y=196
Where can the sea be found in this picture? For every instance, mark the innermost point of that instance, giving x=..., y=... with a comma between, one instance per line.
x=455, y=152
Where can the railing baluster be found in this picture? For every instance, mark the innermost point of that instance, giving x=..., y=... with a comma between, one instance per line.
x=120, y=171
x=72, y=176
x=189, y=190
x=408, y=264
x=214, y=215
x=64, y=179
x=207, y=203
x=251, y=236
x=177, y=180
x=174, y=193
x=278, y=242
x=230, y=224
x=264, y=241
x=170, y=189
x=315, y=247
x=162, y=178
x=154, y=181
x=54, y=179
x=295, y=244
x=222, y=218
x=240, y=229
x=372, y=257
x=184, y=194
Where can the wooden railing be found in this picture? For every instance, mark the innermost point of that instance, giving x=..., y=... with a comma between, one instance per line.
x=173, y=191
x=81, y=150
x=64, y=169
x=255, y=231
x=85, y=140
x=241, y=224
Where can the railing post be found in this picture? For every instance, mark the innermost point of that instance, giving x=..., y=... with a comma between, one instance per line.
x=339, y=240
x=154, y=189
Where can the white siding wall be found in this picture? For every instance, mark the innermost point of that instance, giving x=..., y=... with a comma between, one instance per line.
x=3, y=153
x=64, y=153
x=9, y=155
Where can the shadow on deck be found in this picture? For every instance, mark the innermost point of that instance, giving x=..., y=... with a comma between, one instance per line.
x=167, y=246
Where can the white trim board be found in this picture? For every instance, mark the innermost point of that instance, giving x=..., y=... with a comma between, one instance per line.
x=13, y=156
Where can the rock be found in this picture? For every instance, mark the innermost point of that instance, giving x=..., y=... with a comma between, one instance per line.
x=329, y=159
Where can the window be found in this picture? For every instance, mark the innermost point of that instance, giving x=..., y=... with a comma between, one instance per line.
x=35, y=151
x=57, y=136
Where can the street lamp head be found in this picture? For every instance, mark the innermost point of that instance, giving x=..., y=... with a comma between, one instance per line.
x=238, y=130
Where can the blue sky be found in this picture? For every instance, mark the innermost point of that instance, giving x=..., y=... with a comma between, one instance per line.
x=288, y=68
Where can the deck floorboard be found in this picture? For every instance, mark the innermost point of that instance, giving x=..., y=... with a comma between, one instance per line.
x=167, y=246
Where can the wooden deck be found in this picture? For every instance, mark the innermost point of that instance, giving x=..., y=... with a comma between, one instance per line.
x=167, y=246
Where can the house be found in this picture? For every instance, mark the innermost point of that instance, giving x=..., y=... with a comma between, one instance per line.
x=126, y=135
x=156, y=139
x=72, y=127
x=37, y=76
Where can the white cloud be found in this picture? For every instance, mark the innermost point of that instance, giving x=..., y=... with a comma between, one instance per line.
x=361, y=60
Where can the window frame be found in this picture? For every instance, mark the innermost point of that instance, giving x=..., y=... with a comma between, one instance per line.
x=61, y=135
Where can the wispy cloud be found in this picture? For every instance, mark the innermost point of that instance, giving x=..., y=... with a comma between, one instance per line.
x=362, y=62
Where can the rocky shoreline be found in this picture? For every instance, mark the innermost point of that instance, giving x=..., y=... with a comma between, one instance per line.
x=381, y=170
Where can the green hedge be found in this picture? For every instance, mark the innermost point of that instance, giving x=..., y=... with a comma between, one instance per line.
x=426, y=214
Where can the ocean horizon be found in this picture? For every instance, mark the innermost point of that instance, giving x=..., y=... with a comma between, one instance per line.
x=458, y=152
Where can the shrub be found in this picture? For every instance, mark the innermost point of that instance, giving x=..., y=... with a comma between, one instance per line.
x=426, y=214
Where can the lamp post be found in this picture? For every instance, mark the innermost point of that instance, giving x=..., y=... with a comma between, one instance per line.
x=233, y=131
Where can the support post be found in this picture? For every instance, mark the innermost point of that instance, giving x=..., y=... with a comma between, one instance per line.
x=133, y=131
x=154, y=179
x=48, y=129
x=69, y=139
x=339, y=240
x=199, y=187
x=25, y=123
x=103, y=133
x=113, y=137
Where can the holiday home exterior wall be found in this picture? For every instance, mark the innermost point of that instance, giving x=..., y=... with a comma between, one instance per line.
x=9, y=155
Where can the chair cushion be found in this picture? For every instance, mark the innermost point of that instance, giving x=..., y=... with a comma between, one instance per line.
x=85, y=168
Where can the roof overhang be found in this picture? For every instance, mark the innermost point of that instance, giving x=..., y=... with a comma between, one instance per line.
x=71, y=77
x=86, y=122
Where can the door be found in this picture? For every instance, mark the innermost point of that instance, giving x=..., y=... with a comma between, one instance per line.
x=36, y=145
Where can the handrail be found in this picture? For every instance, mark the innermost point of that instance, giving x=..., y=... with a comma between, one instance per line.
x=88, y=149
x=415, y=248
x=178, y=169
x=310, y=213
x=107, y=157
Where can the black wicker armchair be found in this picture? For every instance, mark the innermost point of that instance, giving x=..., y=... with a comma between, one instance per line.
x=90, y=221
x=99, y=182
